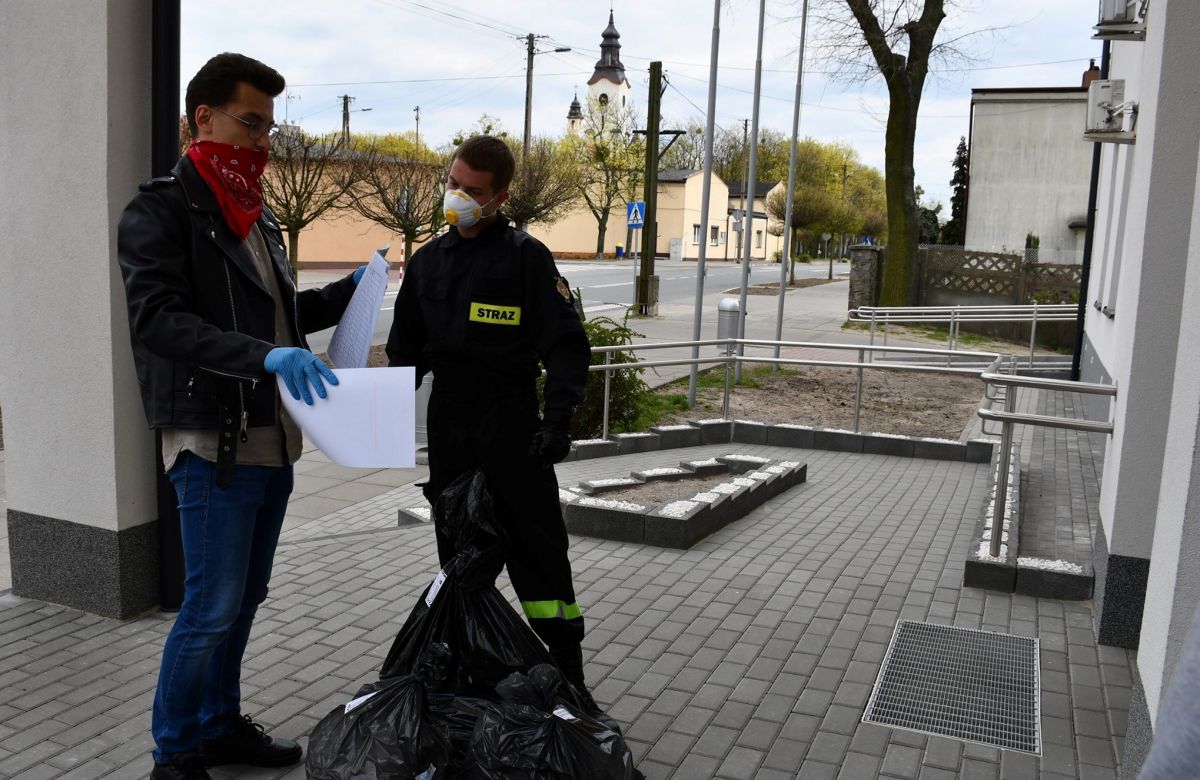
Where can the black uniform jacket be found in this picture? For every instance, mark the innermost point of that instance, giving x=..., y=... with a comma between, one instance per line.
x=482, y=312
x=200, y=319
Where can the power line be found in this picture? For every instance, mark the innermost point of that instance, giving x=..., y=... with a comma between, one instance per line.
x=520, y=75
x=430, y=11
x=584, y=51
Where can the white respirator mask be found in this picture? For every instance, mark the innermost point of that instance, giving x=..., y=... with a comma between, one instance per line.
x=461, y=210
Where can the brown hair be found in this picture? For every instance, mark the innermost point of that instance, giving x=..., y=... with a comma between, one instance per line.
x=216, y=82
x=488, y=153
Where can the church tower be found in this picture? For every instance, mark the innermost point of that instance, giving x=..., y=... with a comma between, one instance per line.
x=608, y=85
x=575, y=117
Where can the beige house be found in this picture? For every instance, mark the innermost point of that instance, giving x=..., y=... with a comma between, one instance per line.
x=347, y=239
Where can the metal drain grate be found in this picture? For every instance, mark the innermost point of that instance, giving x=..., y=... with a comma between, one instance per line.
x=977, y=686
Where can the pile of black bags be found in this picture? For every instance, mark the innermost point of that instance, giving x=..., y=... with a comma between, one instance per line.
x=467, y=690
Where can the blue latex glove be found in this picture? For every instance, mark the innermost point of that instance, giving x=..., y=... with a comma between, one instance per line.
x=358, y=273
x=299, y=367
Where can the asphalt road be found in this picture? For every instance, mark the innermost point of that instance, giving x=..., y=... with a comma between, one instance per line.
x=607, y=287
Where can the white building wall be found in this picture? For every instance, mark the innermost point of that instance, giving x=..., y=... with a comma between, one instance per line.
x=1173, y=587
x=1029, y=172
x=1141, y=330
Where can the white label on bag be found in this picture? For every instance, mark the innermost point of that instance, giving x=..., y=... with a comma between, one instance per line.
x=564, y=713
x=435, y=587
x=353, y=703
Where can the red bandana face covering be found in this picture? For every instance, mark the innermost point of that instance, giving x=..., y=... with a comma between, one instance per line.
x=233, y=173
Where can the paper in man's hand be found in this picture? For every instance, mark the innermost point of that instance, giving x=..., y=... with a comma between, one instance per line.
x=367, y=420
x=351, y=343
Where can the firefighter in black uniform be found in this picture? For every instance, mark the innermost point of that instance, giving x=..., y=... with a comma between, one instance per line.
x=480, y=306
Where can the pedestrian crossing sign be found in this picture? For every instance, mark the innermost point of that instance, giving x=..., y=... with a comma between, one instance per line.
x=635, y=214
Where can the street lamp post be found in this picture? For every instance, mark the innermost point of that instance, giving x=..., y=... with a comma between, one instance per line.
x=530, y=51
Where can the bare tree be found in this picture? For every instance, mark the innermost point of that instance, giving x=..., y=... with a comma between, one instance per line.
x=546, y=185
x=687, y=151
x=308, y=177
x=404, y=196
x=610, y=159
x=896, y=40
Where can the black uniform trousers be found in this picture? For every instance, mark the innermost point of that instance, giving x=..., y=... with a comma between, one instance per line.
x=475, y=429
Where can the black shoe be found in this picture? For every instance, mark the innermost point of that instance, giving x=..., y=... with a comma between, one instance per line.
x=181, y=766
x=248, y=743
x=592, y=709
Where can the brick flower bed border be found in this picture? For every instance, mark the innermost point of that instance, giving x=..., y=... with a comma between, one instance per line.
x=681, y=523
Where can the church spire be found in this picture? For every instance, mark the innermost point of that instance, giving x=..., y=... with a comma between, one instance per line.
x=609, y=65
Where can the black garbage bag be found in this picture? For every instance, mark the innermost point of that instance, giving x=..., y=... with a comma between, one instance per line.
x=460, y=714
x=462, y=607
x=387, y=731
x=538, y=733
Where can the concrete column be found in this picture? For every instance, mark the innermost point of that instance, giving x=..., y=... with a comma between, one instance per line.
x=1149, y=305
x=74, y=143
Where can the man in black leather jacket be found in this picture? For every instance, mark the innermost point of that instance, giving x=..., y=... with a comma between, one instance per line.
x=214, y=314
x=483, y=307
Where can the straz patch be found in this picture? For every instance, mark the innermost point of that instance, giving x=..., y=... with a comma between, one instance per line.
x=560, y=284
x=495, y=315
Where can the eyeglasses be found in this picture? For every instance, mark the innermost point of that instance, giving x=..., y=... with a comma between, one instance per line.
x=256, y=129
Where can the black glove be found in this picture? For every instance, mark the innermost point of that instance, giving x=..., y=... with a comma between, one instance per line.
x=550, y=444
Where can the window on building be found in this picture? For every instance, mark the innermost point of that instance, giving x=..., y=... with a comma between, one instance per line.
x=695, y=234
x=714, y=235
x=758, y=239
x=724, y=237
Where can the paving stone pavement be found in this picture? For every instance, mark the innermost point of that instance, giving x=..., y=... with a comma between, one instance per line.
x=1060, y=481
x=751, y=655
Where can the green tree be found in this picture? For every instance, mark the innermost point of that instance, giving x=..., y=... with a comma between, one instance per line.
x=955, y=230
x=397, y=146
x=609, y=159
x=486, y=124
x=626, y=388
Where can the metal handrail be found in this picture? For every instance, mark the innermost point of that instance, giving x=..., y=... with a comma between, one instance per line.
x=730, y=359
x=1009, y=418
x=957, y=315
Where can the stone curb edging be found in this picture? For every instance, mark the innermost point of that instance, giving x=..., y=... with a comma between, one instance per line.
x=982, y=570
x=1011, y=573
x=680, y=524
x=780, y=435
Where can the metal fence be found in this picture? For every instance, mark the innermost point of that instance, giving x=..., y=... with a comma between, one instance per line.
x=971, y=362
x=955, y=316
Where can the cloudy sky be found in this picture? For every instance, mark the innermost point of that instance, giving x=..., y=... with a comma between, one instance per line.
x=460, y=60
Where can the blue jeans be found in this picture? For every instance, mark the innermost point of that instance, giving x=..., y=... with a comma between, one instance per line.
x=229, y=537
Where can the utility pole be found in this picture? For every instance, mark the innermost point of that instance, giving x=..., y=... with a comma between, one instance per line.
x=288, y=97
x=647, y=286
x=744, y=221
x=346, y=101
x=530, y=50
x=417, y=111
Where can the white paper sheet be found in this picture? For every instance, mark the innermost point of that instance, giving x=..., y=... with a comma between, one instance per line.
x=351, y=342
x=366, y=421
